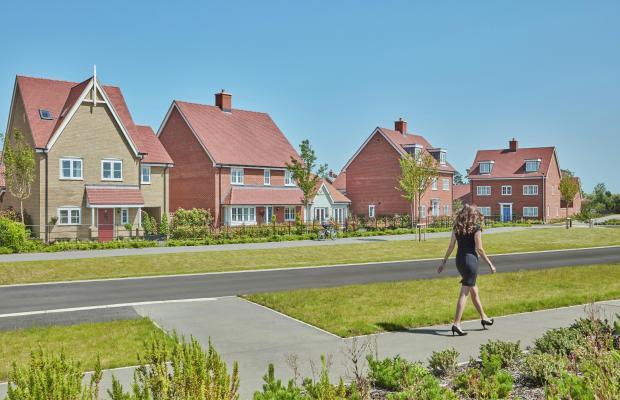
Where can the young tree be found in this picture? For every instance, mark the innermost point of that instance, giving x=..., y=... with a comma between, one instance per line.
x=306, y=173
x=19, y=167
x=568, y=189
x=460, y=179
x=417, y=174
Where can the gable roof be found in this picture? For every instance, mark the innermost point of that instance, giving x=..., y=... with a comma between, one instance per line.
x=399, y=142
x=238, y=137
x=335, y=195
x=148, y=143
x=462, y=192
x=511, y=164
x=340, y=183
x=60, y=97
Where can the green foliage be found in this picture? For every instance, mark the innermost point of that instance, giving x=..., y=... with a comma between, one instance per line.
x=602, y=201
x=444, y=363
x=568, y=187
x=128, y=227
x=13, y=235
x=53, y=377
x=89, y=245
x=486, y=382
x=398, y=374
x=508, y=352
x=19, y=167
x=194, y=374
x=274, y=389
x=416, y=176
x=569, y=386
x=560, y=342
x=323, y=389
x=148, y=224
x=189, y=224
x=541, y=368
x=164, y=225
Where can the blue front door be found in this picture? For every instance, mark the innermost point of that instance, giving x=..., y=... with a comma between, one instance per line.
x=506, y=212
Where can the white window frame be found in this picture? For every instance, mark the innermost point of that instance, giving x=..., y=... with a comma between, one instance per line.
x=372, y=211
x=72, y=169
x=112, y=163
x=243, y=215
x=69, y=211
x=142, y=169
x=488, y=165
x=289, y=213
x=434, y=184
x=528, y=163
x=486, y=211
x=124, y=216
x=530, y=190
x=529, y=213
x=435, y=208
x=480, y=192
x=446, y=209
x=267, y=177
x=442, y=158
x=237, y=176
x=339, y=214
x=288, y=178
x=422, y=211
x=445, y=184
x=506, y=190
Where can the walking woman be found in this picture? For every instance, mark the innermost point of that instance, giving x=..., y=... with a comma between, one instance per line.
x=468, y=235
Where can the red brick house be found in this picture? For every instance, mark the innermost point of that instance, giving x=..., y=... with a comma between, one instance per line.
x=371, y=176
x=517, y=182
x=462, y=193
x=233, y=162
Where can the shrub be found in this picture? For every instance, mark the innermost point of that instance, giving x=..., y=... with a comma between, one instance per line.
x=13, y=234
x=164, y=225
x=394, y=373
x=148, y=224
x=52, y=377
x=541, y=368
x=508, y=352
x=569, y=386
x=193, y=374
x=444, y=363
x=189, y=224
x=560, y=341
x=425, y=387
x=487, y=382
x=274, y=389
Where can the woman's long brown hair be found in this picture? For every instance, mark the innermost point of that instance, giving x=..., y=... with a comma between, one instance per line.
x=467, y=220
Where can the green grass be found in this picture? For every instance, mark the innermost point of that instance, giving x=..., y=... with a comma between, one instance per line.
x=117, y=343
x=218, y=261
x=363, y=309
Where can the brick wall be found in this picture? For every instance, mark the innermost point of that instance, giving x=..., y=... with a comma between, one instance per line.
x=517, y=198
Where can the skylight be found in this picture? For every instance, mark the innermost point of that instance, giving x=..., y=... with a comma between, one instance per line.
x=45, y=114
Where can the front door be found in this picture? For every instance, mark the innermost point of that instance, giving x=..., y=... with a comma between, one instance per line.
x=320, y=214
x=506, y=212
x=106, y=224
x=268, y=214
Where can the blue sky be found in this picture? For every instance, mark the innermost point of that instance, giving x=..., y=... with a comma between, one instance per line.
x=466, y=75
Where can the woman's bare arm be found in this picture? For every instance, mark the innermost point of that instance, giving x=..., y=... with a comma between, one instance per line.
x=480, y=250
x=448, y=252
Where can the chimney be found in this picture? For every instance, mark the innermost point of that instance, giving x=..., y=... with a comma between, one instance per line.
x=223, y=100
x=513, y=145
x=400, y=126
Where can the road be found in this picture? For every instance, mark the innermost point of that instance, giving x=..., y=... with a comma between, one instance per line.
x=54, y=296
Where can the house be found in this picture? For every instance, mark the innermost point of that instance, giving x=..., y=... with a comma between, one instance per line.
x=574, y=206
x=370, y=178
x=517, y=182
x=462, y=193
x=234, y=163
x=96, y=170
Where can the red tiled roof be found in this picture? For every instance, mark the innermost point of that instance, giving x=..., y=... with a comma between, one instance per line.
x=59, y=96
x=400, y=141
x=511, y=164
x=148, y=143
x=340, y=183
x=462, y=192
x=336, y=196
x=238, y=137
x=249, y=195
x=114, y=195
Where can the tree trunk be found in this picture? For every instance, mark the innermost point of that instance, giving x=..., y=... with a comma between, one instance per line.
x=412, y=206
x=21, y=210
x=567, y=216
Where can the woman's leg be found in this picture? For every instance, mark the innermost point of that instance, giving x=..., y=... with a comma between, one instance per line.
x=475, y=298
x=460, y=305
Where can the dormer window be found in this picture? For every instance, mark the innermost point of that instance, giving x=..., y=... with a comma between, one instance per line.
x=45, y=114
x=442, y=157
x=236, y=176
x=288, y=178
x=486, y=167
x=532, y=165
x=414, y=150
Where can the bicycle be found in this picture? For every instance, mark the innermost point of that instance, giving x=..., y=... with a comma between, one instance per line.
x=327, y=233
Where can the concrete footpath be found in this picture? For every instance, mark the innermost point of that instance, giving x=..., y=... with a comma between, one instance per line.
x=255, y=336
x=78, y=254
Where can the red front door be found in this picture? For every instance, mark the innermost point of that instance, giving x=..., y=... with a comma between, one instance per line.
x=106, y=224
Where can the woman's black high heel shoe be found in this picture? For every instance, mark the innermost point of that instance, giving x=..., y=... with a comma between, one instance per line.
x=486, y=322
x=458, y=331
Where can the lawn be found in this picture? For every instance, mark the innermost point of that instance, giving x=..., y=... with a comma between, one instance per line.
x=363, y=309
x=117, y=343
x=218, y=261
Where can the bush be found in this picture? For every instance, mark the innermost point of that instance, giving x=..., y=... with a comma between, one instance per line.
x=569, y=386
x=540, y=369
x=52, y=377
x=13, y=234
x=274, y=390
x=444, y=363
x=191, y=224
x=560, y=341
x=487, y=382
x=394, y=373
x=508, y=352
x=164, y=225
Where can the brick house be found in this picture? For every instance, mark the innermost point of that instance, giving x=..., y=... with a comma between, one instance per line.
x=369, y=179
x=517, y=182
x=233, y=162
x=95, y=168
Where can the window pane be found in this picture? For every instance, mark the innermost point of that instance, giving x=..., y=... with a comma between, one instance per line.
x=107, y=171
x=64, y=216
x=77, y=168
x=75, y=216
x=66, y=168
x=117, y=170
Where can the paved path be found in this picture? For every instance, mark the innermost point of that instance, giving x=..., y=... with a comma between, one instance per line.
x=255, y=336
x=53, y=296
x=67, y=255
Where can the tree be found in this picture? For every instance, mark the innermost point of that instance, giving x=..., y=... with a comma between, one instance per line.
x=306, y=173
x=569, y=186
x=19, y=167
x=460, y=179
x=417, y=174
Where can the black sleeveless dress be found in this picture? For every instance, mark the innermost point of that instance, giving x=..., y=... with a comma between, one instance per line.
x=467, y=258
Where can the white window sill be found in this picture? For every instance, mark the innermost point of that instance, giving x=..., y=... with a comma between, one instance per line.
x=71, y=179
x=249, y=223
x=145, y=183
x=236, y=184
x=112, y=179
x=59, y=224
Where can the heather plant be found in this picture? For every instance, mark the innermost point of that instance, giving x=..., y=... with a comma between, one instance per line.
x=398, y=374
x=541, y=368
x=560, y=341
x=487, y=381
x=444, y=362
x=508, y=352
